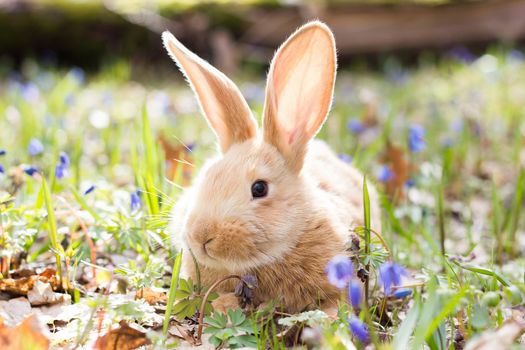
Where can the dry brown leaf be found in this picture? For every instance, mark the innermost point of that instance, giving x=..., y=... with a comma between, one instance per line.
x=42, y=294
x=22, y=286
x=176, y=156
x=29, y=335
x=395, y=157
x=151, y=296
x=500, y=339
x=122, y=338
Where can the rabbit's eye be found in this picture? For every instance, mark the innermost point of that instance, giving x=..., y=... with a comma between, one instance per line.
x=259, y=189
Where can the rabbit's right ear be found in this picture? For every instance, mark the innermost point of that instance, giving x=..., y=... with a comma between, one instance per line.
x=299, y=91
x=221, y=101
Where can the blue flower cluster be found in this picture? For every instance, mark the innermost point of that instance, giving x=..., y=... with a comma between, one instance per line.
x=416, y=138
x=62, y=168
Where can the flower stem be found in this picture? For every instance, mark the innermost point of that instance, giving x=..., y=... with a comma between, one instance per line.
x=198, y=340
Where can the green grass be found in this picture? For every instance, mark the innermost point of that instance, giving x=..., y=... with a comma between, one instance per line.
x=457, y=230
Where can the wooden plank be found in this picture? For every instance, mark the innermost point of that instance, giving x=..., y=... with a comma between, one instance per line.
x=373, y=28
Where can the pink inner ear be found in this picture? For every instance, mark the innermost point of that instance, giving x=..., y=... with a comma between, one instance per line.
x=303, y=80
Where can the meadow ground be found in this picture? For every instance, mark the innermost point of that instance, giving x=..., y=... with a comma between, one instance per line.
x=88, y=177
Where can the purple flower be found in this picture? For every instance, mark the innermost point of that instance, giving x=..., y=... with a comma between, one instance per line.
x=359, y=329
x=191, y=146
x=410, y=183
x=89, y=189
x=77, y=74
x=339, y=271
x=30, y=92
x=61, y=171
x=354, y=293
x=416, y=138
x=402, y=293
x=64, y=159
x=2, y=170
x=390, y=275
x=345, y=158
x=135, y=200
x=461, y=54
x=35, y=147
x=30, y=170
x=2, y=152
x=355, y=126
x=385, y=174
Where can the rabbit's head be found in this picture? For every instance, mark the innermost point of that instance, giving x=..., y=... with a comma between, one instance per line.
x=249, y=206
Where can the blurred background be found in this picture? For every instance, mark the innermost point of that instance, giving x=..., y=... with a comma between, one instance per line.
x=233, y=34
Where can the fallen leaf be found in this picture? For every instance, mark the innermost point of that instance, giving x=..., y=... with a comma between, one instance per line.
x=42, y=294
x=122, y=338
x=22, y=286
x=29, y=335
x=395, y=157
x=14, y=311
x=500, y=339
x=151, y=296
x=176, y=156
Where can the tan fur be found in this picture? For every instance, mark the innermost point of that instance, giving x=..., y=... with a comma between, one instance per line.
x=286, y=238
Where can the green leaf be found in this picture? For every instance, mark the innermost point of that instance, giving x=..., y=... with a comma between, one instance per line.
x=218, y=320
x=236, y=317
x=483, y=271
x=402, y=337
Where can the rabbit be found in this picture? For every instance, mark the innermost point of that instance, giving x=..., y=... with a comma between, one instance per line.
x=274, y=203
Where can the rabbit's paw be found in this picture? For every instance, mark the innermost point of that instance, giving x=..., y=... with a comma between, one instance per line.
x=226, y=301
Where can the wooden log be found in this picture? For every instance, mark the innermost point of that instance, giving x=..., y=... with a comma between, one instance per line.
x=379, y=28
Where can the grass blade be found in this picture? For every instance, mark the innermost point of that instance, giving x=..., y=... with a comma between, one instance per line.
x=173, y=289
x=52, y=226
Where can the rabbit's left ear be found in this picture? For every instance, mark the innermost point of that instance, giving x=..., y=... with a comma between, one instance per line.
x=299, y=91
x=221, y=101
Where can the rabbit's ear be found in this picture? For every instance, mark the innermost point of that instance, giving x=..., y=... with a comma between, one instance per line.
x=299, y=90
x=221, y=101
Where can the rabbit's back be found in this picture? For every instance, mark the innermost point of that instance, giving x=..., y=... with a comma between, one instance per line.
x=341, y=187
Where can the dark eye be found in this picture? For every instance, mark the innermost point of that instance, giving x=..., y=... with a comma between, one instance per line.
x=259, y=189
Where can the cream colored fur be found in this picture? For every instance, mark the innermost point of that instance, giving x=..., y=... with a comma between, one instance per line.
x=286, y=238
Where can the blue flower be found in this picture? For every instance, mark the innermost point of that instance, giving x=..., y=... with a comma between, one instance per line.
x=390, y=275
x=410, y=183
x=35, y=147
x=30, y=92
x=191, y=146
x=339, y=271
x=89, y=189
x=135, y=201
x=61, y=171
x=64, y=159
x=345, y=158
x=2, y=170
x=359, y=329
x=461, y=54
x=30, y=170
x=355, y=126
x=416, y=138
x=2, y=152
x=77, y=74
x=385, y=174
x=354, y=293
x=402, y=293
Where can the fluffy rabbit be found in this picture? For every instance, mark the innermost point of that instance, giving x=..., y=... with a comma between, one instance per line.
x=273, y=204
